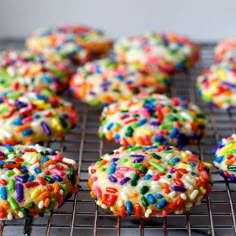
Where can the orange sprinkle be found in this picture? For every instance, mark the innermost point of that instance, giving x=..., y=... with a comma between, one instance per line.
x=50, y=162
x=102, y=163
x=56, y=188
x=44, y=195
x=19, y=129
x=46, y=202
x=164, y=185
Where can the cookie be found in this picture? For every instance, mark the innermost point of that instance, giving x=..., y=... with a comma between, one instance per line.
x=153, y=119
x=226, y=50
x=34, y=117
x=168, y=51
x=77, y=43
x=217, y=85
x=34, y=180
x=24, y=71
x=149, y=181
x=225, y=159
x=106, y=81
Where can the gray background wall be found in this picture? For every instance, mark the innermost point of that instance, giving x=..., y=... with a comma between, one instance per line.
x=205, y=20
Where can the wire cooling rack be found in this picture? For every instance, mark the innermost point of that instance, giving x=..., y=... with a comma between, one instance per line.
x=80, y=216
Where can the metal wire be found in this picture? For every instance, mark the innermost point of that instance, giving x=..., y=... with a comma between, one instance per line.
x=80, y=216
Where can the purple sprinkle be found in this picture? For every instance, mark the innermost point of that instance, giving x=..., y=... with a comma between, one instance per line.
x=178, y=188
x=46, y=128
x=129, y=82
x=114, y=159
x=57, y=178
x=112, y=179
x=228, y=85
x=2, y=154
x=124, y=180
x=138, y=160
x=53, y=152
x=19, y=192
x=136, y=155
x=20, y=179
x=155, y=123
x=65, y=116
x=92, y=93
x=24, y=170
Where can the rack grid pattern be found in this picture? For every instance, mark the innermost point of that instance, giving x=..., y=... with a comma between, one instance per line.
x=80, y=216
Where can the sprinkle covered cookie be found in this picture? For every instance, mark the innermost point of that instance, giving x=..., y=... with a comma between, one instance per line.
x=168, y=51
x=226, y=50
x=149, y=181
x=225, y=159
x=24, y=71
x=106, y=81
x=34, y=180
x=153, y=119
x=217, y=85
x=34, y=117
x=77, y=43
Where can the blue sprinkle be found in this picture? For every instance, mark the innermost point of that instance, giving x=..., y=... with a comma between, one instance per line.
x=142, y=122
x=161, y=204
x=193, y=173
x=147, y=177
x=9, y=148
x=30, y=178
x=37, y=170
x=116, y=136
x=159, y=138
x=120, y=77
x=27, y=132
x=47, y=79
x=151, y=199
x=109, y=126
x=36, y=116
x=159, y=196
x=129, y=207
x=45, y=159
x=191, y=163
x=173, y=132
x=175, y=160
x=178, y=188
x=4, y=193
x=18, y=121
x=1, y=163
x=112, y=169
x=219, y=159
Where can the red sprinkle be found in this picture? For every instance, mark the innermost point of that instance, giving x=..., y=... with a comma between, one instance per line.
x=3, y=182
x=31, y=184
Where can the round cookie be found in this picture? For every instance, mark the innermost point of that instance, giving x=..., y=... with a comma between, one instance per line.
x=106, y=81
x=217, y=85
x=24, y=71
x=153, y=119
x=149, y=181
x=168, y=51
x=34, y=117
x=225, y=159
x=77, y=43
x=226, y=50
x=34, y=180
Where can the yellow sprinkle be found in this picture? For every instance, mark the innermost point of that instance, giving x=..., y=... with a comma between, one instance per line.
x=226, y=149
x=183, y=154
x=143, y=131
x=56, y=124
x=35, y=193
x=112, y=208
x=222, y=74
x=42, y=104
x=17, y=171
x=207, y=164
x=203, y=191
x=185, y=166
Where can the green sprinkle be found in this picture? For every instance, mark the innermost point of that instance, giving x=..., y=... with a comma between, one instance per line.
x=155, y=156
x=136, y=165
x=144, y=190
x=11, y=186
x=143, y=169
x=158, y=166
x=231, y=168
x=49, y=179
x=24, y=211
x=9, y=173
x=63, y=186
x=31, y=205
x=103, y=169
x=144, y=201
x=133, y=183
x=124, y=160
x=13, y=203
x=134, y=148
x=51, y=205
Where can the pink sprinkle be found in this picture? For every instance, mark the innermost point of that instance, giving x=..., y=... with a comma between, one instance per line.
x=57, y=172
x=27, y=119
x=124, y=168
x=156, y=177
x=58, y=157
x=164, y=213
x=118, y=175
x=98, y=191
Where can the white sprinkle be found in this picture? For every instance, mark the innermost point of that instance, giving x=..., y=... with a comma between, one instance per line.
x=20, y=214
x=183, y=196
x=124, y=196
x=172, y=194
x=10, y=156
x=61, y=192
x=4, y=177
x=193, y=195
x=179, y=212
x=51, y=167
x=169, y=156
x=4, y=133
x=40, y=205
x=147, y=213
x=69, y=161
x=9, y=216
x=103, y=206
x=120, y=203
x=188, y=205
